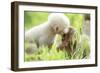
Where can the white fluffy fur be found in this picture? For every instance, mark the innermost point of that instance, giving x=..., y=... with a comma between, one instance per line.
x=44, y=34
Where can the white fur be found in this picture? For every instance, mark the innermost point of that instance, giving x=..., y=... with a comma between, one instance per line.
x=44, y=34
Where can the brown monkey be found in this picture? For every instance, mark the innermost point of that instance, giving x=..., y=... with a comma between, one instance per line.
x=67, y=39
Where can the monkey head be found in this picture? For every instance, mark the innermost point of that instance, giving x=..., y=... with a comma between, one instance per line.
x=67, y=39
x=58, y=22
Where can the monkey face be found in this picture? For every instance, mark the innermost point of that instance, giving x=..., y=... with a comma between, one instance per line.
x=66, y=39
x=58, y=29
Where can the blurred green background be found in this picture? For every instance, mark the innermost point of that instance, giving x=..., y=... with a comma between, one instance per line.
x=32, y=19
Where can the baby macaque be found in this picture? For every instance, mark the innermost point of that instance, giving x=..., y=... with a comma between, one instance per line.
x=67, y=39
x=44, y=34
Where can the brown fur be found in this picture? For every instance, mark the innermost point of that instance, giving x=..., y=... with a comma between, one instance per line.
x=67, y=40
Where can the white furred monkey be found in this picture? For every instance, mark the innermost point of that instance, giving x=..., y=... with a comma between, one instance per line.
x=44, y=34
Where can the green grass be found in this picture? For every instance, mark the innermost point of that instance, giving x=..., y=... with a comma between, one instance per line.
x=82, y=51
